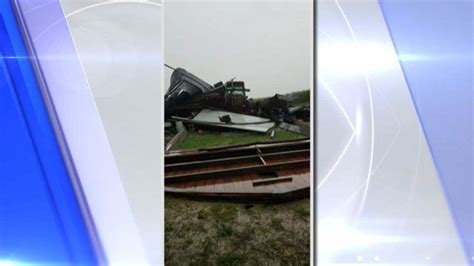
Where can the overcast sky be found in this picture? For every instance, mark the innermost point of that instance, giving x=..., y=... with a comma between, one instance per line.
x=267, y=44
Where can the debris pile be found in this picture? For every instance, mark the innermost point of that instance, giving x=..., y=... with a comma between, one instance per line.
x=259, y=171
x=193, y=101
x=189, y=94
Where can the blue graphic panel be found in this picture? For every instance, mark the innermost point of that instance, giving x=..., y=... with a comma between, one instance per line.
x=40, y=220
x=434, y=41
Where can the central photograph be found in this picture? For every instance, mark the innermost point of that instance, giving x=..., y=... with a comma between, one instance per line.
x=237, y=132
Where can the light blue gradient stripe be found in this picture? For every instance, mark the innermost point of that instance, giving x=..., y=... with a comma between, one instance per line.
x=434, y=42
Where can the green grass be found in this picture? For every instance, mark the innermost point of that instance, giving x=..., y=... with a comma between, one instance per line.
x=211, y=138
x=231, y=258
x=219, y=233
x=223, y=212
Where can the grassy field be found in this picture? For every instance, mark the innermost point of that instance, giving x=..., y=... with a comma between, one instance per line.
x=211, y=138
x=207, y=233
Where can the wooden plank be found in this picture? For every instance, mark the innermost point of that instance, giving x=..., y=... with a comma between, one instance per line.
x=271, y=181
x=239, y=159
x=248, y=150
x=237, y=171
x=242, y=197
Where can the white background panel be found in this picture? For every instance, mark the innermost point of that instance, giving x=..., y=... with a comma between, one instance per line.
x=120, y=45
x=379, y=198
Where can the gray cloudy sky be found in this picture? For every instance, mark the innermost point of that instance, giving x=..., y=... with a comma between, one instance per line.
x=267, y=44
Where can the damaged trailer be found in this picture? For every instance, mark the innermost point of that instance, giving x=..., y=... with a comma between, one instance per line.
x=189, y=94
x=260, y=172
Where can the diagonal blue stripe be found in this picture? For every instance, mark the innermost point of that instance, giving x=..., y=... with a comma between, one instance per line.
x=40, y=220
x=434, y=41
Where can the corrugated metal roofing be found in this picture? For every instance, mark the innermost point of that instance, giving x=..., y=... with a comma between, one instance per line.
x=238, y=121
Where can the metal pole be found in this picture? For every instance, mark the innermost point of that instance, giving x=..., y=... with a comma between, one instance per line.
x=170, y=67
